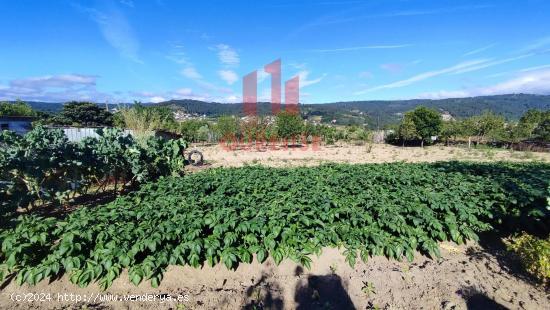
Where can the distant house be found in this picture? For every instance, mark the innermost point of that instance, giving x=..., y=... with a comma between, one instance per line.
x=446, y=116
x=18, y=124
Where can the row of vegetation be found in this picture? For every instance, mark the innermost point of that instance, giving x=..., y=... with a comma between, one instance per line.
x=423, y=123
x=44, y=167
x=229, y=215
x=416, y=126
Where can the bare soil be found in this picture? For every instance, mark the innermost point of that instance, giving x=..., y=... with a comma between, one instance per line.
x=466, y=277
x=217, y=156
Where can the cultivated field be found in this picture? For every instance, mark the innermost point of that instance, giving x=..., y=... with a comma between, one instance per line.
x=296, y=237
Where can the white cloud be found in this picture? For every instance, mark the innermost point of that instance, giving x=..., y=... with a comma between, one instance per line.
x=463, y=67
x=128, y=3
x=479, y=50
x=436, y=11
x=533, y=82
x=178, y=55
x=191, y=73
x=157, y=99
x=54, y=88
x=116, y=30
x=537, y=45
x=424, y=76
x=356, y=48
x=534, y=68
x=304, y=78
x=231, y=99
x=58, y=81
x=491, y=64
x=262, y=75
x=184, y=91
x=230, y=77
x=227, y=55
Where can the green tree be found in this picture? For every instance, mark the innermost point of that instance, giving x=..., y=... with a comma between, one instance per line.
x=427, y=123
x=543, y=129
x=488, y=125
x=407, y=129
x=450, y=130
x=18, y=108
x=289, y=125
x=191, y=130
x=227, y=127
x=83, y=114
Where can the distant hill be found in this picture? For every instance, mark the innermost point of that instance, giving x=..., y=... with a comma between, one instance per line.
x=380, y=113
x=374, y=113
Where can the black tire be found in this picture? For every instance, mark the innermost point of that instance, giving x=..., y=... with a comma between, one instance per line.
x=195, y=162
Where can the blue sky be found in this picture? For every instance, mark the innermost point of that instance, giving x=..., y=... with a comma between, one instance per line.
x=343, y=50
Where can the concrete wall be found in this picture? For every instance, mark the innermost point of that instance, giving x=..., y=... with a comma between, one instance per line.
x=75, y=134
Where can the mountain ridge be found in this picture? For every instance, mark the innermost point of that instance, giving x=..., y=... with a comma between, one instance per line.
x=375, y=113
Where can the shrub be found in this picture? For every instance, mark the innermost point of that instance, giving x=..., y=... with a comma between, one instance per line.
x=43, y=166
x=534, y=254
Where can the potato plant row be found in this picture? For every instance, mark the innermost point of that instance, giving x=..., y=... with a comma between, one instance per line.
x=233, y=216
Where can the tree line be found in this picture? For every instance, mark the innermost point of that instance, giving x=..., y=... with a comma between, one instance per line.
x=418, y=126
x=424, y=124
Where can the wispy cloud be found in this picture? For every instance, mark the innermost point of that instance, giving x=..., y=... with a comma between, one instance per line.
x=128, y=3
x=479, y=50
x=227, y=55
x=540, y=45
x=535, y=68
x=177, y=54
x=517, y=71
x=191, y=73
x=304, y=81
x=356, y=48
x=58, y=81
x=54, y=88
x=352, y=15
x=435, y=11
x=463, y=67
x=424, y=76
x=491, y=64
x=116, y=30
x=156, y=97
x=230, y=77
x=535, y=82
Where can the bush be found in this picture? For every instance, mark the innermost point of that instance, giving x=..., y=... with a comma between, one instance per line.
x=534, y=254
x=44, y=167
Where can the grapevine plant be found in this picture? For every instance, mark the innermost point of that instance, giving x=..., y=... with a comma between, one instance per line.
x=232, y=216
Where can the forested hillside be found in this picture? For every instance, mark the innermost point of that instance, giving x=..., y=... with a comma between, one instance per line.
x=374, y=113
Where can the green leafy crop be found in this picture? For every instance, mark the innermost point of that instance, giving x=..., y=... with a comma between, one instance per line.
x=228, y=215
